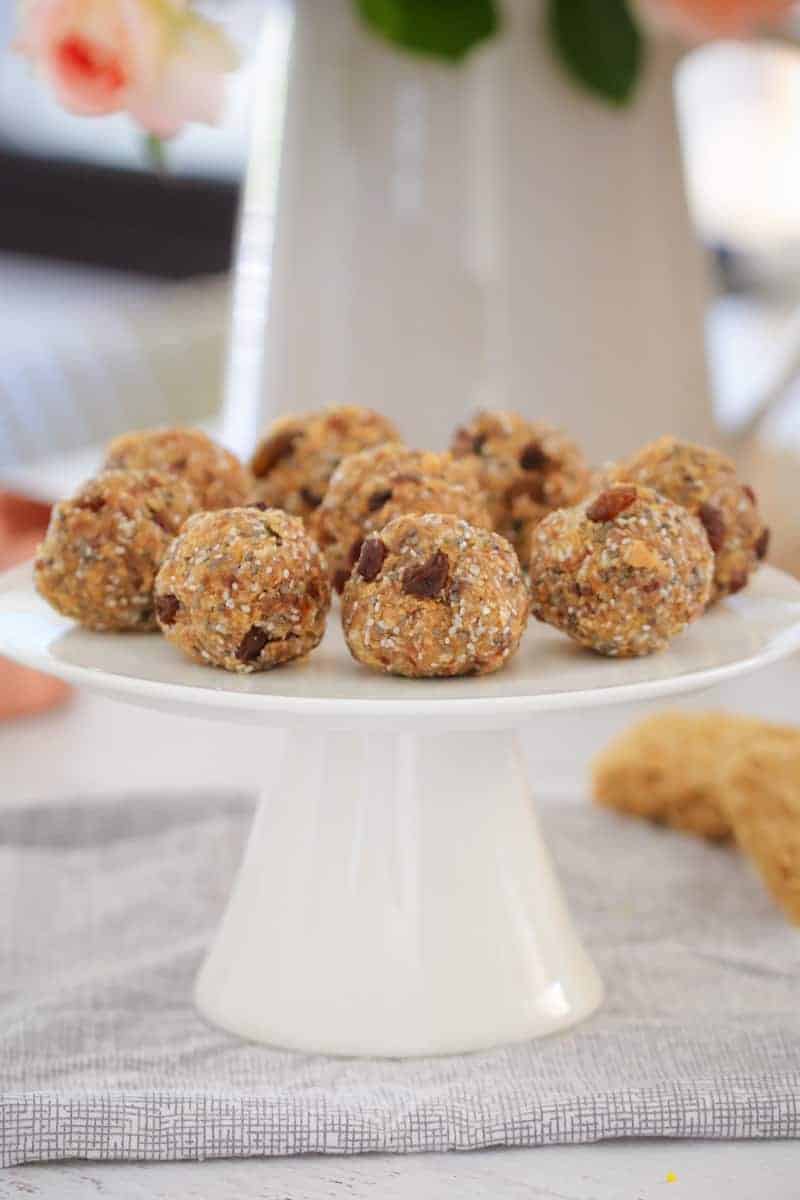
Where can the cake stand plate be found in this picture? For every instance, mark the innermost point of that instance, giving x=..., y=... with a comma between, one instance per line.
x=395, y=896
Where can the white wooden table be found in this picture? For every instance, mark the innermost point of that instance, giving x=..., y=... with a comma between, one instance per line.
x=93, y=747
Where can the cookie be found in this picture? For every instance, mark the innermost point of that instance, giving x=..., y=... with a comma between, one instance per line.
x=705, y=482
x=371, y=488
x=762, y=803
x=670, y=769
x=298, y=454
x=622, y=573
x=243, y=589
x=527, y=469
x=433, y=596
x=103, y=548
x=217, y=477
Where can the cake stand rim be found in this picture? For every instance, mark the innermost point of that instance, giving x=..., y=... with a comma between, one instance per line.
x=444, y=711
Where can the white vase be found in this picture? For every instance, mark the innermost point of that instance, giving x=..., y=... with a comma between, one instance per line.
x=479, y=235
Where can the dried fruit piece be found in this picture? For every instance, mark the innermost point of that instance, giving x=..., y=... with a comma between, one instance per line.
x=252, y=644
x=370, y=561
x=340, y=578
x=378, y=499
x=714, y=525
x=93, y=503
x=611, y=503
x=167, y=607
x=532, y=457
x=312, y=499
x=272, y=451
x=762, y=545
x=428, y=579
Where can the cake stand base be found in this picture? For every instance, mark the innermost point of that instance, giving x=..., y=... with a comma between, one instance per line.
x=396, y=898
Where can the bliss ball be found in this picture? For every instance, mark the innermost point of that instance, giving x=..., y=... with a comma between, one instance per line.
x=299, y=453
x=371, y=488
x=431, y=595
x=102, y=549
x=217, y=477
x=623, y=573
x=527, y=469
x=705, y=483
x=244, y=589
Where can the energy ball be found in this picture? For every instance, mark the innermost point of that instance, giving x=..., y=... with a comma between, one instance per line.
x=527, y=470
x=299, y=453
x=433, y=596
x=705, y=482
x=623, y=573
x=371, y=488
x=102, y=549
x=217, y=477
x=243, y=589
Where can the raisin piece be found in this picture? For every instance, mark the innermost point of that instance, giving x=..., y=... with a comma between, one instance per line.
x=310, y=498
x=428, y=579
x=737, y=582
x=261, y=505
x=167, y=608
x=252, y=644
x=532, y=457
x=354, y=552
x=762, y=545
x=93, y=503
x=714, y=525
x=161, y=521
x=272, y=451
x=370, y=560
x=610, y=504
x=340, y=578
x=378, y=499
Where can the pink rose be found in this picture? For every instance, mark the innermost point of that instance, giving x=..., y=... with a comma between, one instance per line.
x=155, y=59
x=717, y=18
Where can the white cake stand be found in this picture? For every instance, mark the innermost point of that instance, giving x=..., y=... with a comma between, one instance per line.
x=395, y=896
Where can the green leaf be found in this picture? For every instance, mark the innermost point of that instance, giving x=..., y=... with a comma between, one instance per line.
x=600, y=45
x=441, y=28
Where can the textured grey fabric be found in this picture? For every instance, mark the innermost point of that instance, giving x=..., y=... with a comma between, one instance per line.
x=104, y=913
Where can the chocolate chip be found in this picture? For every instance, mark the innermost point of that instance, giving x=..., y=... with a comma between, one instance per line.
x=370, y=560
x=252, y=644
x=272, y=451
x=762, y=545
x=610, y=504
x=748, y=491
x=340, y=578
x=167, y=608
x=532, y=457
x=378, y=499
x=428, y=579
x=714, y=525
x=310, y=498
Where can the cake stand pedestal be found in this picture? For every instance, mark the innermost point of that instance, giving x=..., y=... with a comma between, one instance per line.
x=396, y=897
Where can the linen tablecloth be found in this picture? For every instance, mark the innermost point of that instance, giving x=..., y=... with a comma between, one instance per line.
x=106, y=909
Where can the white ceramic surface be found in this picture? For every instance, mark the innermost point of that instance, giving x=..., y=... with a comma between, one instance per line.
x=328, y=689
x=396, y=897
